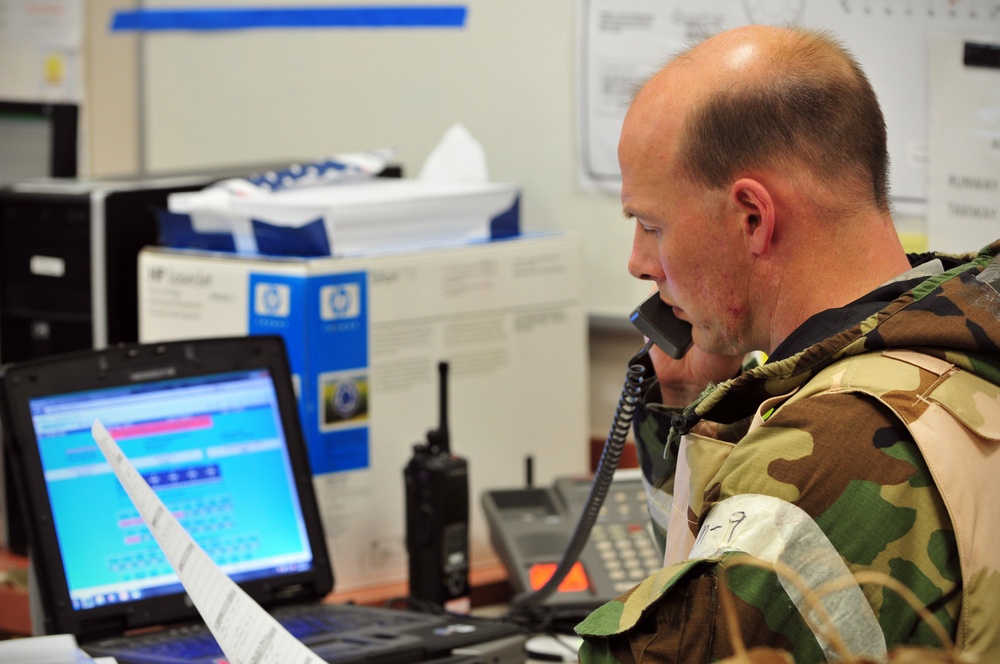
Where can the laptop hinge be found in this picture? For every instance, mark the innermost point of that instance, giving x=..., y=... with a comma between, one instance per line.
x=100, y=628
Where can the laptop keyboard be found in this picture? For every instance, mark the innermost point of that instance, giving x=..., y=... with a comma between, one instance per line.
x=183, y=644
x=343, y=627
x=307, y=623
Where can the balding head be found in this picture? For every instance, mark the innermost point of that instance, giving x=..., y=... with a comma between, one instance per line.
x=755, y=167
x=761, y=97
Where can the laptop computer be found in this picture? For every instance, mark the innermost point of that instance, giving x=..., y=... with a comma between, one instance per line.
x=212, y=425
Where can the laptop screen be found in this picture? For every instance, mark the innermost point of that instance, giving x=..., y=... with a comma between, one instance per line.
x=214, y=450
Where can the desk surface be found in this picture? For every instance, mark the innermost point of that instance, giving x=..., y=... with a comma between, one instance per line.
x=490, y=594
x=489, y=586
x=14, y=618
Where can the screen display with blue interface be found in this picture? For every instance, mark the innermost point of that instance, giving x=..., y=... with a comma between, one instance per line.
x=213, y=449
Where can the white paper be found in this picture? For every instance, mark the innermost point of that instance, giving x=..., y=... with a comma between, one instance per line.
x=964, y=171
x=385, y=214
x=621, y=44
x=52, y=649
x=243, y=629
x=43, y=23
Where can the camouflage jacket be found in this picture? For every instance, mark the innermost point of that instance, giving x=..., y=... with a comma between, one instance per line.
x=872, y=450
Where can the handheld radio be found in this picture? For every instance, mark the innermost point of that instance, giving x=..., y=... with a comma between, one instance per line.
x=437, y=516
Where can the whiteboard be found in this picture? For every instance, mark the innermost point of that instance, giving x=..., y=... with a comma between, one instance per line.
x=888, y=37
x=890, y=40
x=509, y=75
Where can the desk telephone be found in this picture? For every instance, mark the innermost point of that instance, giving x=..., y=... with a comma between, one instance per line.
x=530, y=528
x=565, y=550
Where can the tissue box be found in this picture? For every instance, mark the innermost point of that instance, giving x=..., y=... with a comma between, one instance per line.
x=342, y=219
x=364, y=337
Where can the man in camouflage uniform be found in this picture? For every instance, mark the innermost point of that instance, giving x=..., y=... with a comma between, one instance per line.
x=755, y=168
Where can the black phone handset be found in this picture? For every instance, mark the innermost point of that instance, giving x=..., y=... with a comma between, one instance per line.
x=658, y=323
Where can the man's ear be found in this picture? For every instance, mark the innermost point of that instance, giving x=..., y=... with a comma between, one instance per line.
x=753, y=202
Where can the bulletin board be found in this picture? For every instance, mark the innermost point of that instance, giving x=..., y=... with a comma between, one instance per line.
x=510, y=75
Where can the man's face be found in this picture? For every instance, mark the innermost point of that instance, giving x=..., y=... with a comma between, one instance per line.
x=687, y=239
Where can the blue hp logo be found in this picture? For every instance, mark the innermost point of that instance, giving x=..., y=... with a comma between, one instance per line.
x=272, y=300
x=340, y=301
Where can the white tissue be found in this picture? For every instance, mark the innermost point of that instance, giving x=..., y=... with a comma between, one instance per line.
x=458, y=157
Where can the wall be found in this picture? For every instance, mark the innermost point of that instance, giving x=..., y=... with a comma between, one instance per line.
x=111, y=112
x=200, y=100
x=185, y=101
x=509, y=76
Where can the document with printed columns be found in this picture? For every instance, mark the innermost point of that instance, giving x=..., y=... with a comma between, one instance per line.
x=245, y=631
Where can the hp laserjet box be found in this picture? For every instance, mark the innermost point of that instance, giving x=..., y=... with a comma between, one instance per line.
x=365, y=336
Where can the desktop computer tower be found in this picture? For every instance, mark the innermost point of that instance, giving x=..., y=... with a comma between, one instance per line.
x=68, y=258
x=68, y=255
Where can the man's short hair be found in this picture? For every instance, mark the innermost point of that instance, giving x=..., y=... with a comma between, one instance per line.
x=815, y=110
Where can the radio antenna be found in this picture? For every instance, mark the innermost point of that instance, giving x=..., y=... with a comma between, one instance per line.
x=439, y=440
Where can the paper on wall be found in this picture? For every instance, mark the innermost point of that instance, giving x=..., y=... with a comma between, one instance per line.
x=245, y=632
x=963, y=183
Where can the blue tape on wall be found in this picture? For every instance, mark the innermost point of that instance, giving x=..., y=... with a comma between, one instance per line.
x=244, y=18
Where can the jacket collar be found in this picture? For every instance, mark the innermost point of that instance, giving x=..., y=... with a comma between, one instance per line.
x=940, y=315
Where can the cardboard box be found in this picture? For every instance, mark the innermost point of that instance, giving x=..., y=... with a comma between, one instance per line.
x=365, y=336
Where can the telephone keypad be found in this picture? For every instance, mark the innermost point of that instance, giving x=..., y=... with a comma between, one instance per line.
x=625, y=548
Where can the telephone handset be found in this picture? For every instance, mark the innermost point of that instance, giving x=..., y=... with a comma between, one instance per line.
x=657, y=322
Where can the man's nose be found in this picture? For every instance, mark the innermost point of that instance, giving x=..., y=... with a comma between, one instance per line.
x=644, y=262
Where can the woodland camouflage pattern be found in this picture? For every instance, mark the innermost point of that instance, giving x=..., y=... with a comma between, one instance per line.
x=883, y=435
